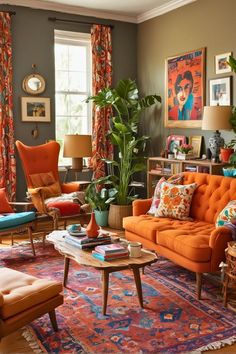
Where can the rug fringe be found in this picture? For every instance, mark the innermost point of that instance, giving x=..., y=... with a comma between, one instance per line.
x=215, y=345
x=31, y=338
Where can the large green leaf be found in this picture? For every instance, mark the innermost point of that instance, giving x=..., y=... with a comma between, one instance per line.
x=232, y=63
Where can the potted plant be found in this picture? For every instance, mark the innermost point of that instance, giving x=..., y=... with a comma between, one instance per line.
x=227, y=150
x=127, y=108
x=99, y=199
x=184, y=152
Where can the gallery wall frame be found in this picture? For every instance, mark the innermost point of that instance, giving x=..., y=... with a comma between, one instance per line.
x=35, y=109
x=185, y=89
x=220, y=91
x=173, y=141
x=196, y=142
x=221, y=63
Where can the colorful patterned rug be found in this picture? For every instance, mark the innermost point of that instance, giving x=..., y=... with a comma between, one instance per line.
x=173, y=321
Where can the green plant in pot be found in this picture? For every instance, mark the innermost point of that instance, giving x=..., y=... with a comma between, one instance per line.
x=127, y=108
x=227, y=150
x=99, y=199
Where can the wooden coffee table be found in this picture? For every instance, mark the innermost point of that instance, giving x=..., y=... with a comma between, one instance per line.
x=85, y=258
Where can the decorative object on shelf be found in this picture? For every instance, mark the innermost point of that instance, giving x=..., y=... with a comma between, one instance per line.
x=92, y=229
x=185, y=95
x=216, y=118
x=35, y=109
x=77, y=146
x=174, y=141
x=225, y=154
x=196, y=142
x=221, y=63
x=220, y=91
x=185, y=152
x=34, y=84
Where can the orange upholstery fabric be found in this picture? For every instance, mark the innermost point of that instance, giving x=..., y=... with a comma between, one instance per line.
x=70, y=187
x=197, y=245
x=4, y=204
x=42, y=179
x=21, y=291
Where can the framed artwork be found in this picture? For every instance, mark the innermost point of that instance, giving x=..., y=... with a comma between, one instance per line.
x=185, y=89
x=220, y=91
x=221, y=63
x=35, y=109
x=196, y=142
x=173, y=141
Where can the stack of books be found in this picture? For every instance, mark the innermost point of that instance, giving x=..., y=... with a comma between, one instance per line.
x=110, y=252
x=85, y=242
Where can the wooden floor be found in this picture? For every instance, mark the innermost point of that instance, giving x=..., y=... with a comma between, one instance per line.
x=17, y=344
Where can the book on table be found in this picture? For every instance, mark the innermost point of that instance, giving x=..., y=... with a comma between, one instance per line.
x=110, y=257
x=113, y=248
x=90, y=243
x=86, y=239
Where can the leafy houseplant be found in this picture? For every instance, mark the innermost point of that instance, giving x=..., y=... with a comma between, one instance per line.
x=127, y=108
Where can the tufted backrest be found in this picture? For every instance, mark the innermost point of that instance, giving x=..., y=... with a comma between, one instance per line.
x=39, y=159
x=211, y=196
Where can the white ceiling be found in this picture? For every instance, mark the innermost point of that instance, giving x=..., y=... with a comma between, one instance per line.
x=135, y=11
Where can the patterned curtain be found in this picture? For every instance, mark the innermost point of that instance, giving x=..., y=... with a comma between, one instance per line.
x=7, y=153
x=102, y=77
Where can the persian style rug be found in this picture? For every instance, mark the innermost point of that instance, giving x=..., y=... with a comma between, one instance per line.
x=173, y=320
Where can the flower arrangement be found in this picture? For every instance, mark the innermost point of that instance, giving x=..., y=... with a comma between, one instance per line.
x=185, y=148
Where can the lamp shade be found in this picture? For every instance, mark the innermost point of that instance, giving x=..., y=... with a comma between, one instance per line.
x=216, y=118
x=77, y=146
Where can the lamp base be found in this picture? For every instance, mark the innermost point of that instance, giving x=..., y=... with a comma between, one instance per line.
x=77, y=163
x=215, y=143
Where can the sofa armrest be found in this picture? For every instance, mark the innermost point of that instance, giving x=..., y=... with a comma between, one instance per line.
x=70, y=187
x=37, y=197
x=141, y=206
x=218, y=242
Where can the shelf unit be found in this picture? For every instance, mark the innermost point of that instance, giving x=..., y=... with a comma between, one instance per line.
x=168, y=167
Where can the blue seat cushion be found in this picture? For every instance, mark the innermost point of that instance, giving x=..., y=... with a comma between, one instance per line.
x=12, y=220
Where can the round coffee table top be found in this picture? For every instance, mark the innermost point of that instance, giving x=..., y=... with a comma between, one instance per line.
x=84, y=257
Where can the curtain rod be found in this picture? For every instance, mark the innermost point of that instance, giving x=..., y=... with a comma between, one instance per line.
x=54, y=19
x=11, y=13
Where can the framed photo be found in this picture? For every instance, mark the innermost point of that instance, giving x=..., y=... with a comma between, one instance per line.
x=35, y=109
x=185, y=89
x=173, y=141
x=221, y=63
x=220, y=91
x=196, y=142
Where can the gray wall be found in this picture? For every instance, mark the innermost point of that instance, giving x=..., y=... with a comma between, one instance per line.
x=204, y=23
x=33, y=43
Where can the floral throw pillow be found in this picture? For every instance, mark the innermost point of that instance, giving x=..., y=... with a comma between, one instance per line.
x=175, y=200
x=176, y=179
x=227, y=215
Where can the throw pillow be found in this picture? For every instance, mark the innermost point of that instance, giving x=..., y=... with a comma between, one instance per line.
x=227, y=215
x=65, y=207
x=175, y=179
x=4, y=204
x=42, y=179
x=175, y=200
x=52, y=190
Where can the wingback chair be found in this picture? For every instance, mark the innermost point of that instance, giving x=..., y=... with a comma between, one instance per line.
x=49, y=196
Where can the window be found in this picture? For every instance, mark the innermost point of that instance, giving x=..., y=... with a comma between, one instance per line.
x=73, y=85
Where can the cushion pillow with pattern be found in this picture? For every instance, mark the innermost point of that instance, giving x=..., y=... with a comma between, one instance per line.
x=175, y=179
x=175, y=200
x=227, y=215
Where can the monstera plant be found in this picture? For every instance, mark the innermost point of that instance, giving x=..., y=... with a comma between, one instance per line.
x=127, y=107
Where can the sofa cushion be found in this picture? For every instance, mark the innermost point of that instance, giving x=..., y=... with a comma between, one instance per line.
x=4, y=204
x=175, y=200
x=176, y=179
x=42, y=179
x=227, y=215
x=12, y=220
x=65, y=207
x=21, y=291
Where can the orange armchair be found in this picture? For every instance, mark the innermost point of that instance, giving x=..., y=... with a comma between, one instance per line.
x=40, y=165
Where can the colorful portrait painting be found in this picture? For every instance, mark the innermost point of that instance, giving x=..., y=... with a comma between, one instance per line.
x=185, y=89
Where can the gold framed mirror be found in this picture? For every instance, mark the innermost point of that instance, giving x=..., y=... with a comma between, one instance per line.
x=34, y=84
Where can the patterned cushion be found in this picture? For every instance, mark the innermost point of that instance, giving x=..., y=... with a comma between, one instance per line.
x=175, y=179
x=4, y=204
x=227, y=215
x=175, y=200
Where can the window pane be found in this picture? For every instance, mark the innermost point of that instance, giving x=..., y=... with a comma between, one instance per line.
x=77, y=81
x=62, y=80
x=61, y=56
x=77, y=58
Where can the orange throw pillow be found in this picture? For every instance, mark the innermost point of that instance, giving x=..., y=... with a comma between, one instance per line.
x=54, y=190
x=42, y=179
x=4, y=204
x=65, y=207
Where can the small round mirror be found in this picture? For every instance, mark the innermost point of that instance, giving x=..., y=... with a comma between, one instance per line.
x=33, y=84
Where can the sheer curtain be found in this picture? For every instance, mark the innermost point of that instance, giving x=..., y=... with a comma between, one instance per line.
x=7, y=149
x=102, y=77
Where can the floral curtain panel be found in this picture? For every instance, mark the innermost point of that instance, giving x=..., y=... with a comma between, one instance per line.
x=102, y=77
x=7, y=152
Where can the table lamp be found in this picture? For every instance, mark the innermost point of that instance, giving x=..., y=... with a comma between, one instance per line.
x=77, y=146
x=216, y=118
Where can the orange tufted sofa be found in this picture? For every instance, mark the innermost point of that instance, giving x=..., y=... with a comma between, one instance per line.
x=196, y=245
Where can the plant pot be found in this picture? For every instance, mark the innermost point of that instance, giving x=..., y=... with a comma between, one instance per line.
x=116, y=215
x=225, y=154
x=101, y=217
x=229, y=172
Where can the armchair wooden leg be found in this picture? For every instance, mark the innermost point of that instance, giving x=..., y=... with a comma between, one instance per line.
x=31, y=240
x=53, y=319
x=199, y=285
x=12, y=238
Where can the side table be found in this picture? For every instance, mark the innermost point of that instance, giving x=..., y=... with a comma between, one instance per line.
x=229, y=282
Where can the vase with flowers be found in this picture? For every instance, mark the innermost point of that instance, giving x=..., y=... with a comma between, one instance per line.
x=184, y=152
